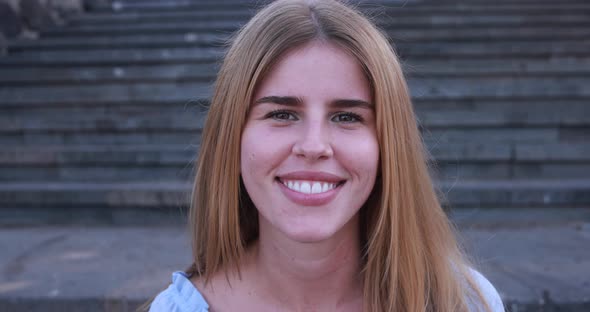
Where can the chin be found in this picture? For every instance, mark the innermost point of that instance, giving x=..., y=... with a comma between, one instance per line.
x=310, y=234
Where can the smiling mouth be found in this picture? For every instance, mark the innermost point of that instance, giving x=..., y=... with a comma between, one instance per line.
x=310, y=187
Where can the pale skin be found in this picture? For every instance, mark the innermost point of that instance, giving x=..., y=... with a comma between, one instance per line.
x=311, y=114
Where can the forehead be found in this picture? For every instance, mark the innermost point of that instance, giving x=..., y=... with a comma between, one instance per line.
x=317, y=70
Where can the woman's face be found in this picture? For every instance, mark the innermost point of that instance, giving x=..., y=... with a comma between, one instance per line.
x=309, y=152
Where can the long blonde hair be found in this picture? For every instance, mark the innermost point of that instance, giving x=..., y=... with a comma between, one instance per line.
x=411, y=259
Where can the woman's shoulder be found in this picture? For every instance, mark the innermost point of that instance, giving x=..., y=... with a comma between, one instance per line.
x=490, y=294
x=180, y=296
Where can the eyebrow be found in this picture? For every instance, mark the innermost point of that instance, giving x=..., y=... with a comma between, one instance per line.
x=281, y=100
x=348, y=103
x=297, y=101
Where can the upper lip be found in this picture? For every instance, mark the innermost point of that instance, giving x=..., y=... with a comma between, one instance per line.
x=311, y=176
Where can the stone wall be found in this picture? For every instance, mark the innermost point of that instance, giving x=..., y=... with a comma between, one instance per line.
x=27, y=18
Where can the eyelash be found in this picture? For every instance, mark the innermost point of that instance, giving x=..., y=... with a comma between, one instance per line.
x=357, y=117
x=273, y=114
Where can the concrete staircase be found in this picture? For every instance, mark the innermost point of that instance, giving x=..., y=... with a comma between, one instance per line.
x=100, y=120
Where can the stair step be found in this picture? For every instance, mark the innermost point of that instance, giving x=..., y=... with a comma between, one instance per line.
x=553, y=152
x=115, y=138
x=502, y=7
x=464, y=170
x=197, y=27
x=131, y=154
x=104, y=195
x=557, y=66
x=556, y=152
x=124, y=74
x=492, y=87
x=189, y=117
x=373, y=2
x=411, y=51
x=516, y=135
x=78, y=75
x=513, y=67
x=180, y=118
x=447, y=170
x=435, y=136
x=195, y=39
x=517, y=193
x=181, y=91
x=399, y=8
x=421, y=88
x=175, y=26
x=96, y=173
x=527, y=113
x=503, y=161
x=233, y=16
x=162, y=194
x=536, y=112
x=114, y=57
x=446, y=2
x=171, y=154
x=154, y=41
x=229, y=5
x=135, y=162
x=171, y=5
x=98, y=18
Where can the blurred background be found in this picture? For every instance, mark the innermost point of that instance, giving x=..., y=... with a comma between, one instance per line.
x=102, y=104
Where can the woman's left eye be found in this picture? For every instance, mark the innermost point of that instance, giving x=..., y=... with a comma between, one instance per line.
x=347, y=117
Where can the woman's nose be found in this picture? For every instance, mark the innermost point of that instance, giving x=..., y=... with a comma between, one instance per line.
x=314, y=143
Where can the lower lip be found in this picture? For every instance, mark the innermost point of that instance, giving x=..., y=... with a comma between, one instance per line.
x=303, y=199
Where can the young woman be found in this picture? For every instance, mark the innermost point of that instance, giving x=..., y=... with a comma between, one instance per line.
x=312, y=190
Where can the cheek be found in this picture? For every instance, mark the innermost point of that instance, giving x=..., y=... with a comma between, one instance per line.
x=262, y=150
x=360, y=156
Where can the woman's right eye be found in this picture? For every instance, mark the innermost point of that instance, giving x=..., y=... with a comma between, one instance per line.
x=281, y=115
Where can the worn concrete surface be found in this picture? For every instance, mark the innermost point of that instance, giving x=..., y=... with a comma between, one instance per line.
x=97, y=262
x=532, y=256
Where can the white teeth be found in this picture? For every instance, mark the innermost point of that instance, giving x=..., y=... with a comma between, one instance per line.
x=305, y=188
x=316, y=188
x=309, y=187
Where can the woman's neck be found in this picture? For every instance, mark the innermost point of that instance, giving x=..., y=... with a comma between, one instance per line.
x=310, y=276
